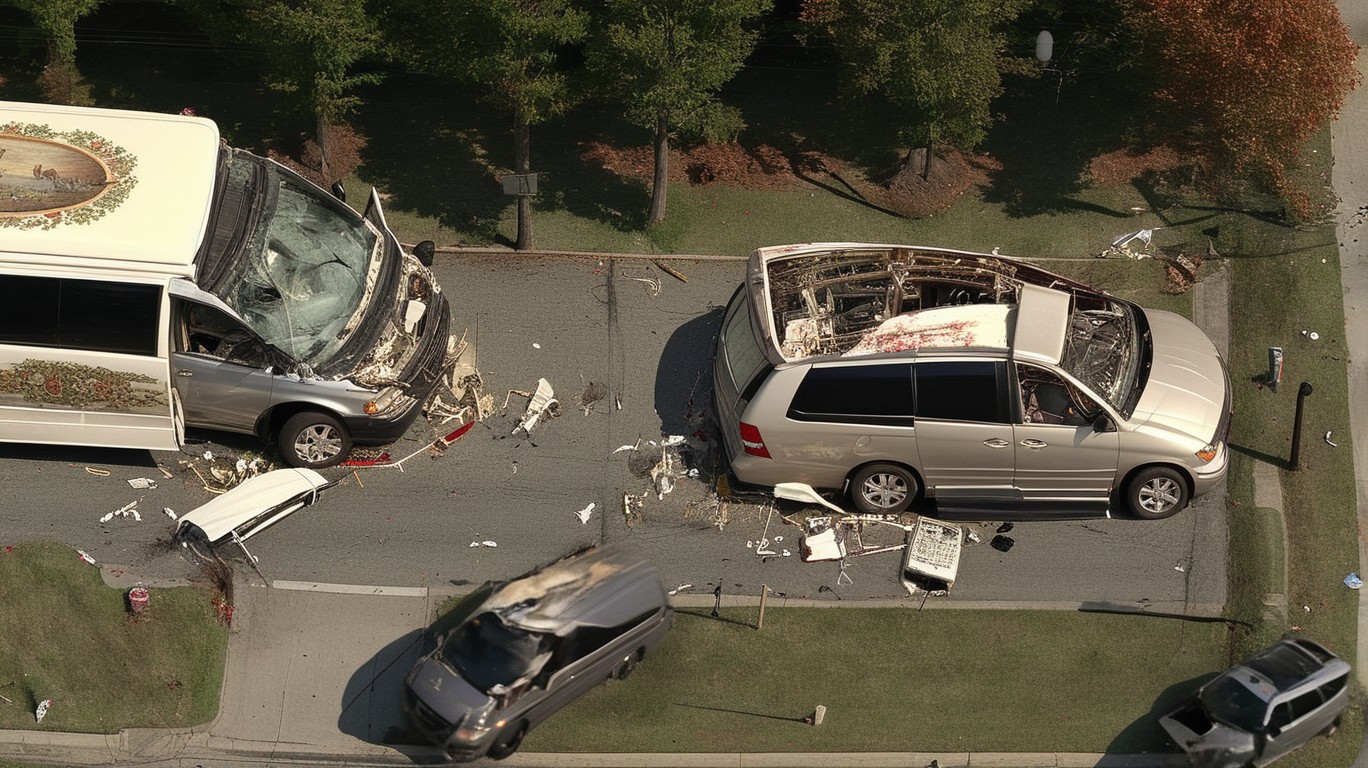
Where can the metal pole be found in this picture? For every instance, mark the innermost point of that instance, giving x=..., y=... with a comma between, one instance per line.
x=1302, y=393
x=760, y=621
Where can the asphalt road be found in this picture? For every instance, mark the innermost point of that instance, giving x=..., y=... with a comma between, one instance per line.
x=645, y=338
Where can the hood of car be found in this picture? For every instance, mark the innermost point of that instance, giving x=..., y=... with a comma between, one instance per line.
x=1208, y=744
x=1187, y=387
x=445, y=692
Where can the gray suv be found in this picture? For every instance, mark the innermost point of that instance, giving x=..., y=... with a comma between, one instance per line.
x=523, y=649
x=1263, y=708
x=979, y=382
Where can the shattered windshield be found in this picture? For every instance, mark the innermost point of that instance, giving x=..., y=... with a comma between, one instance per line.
x=304, y=271
x=1227, y=700
x=1102, y=351
x=489, y=653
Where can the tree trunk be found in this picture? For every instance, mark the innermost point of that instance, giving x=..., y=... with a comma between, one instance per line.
x=660, y=185
x=323, y=135
x=522, y=163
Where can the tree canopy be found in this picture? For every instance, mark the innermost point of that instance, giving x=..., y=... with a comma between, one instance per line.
x=512, y=49
x=938, y=60
x=1252, y=80
x=56, y=19
x=666, y=60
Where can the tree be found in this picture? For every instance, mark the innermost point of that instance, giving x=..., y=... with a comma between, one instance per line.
x=1251, y=80
x=936, y=60
x=56, y=19
x=310, y=47
x=511, y=48
x=667, y=59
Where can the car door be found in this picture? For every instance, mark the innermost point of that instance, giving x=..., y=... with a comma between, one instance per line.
x=964, y=438
x=1062, y=464
x=1291, y=725
x=219, y=369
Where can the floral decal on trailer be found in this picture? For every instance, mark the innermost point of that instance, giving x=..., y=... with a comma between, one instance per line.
x=49, y=177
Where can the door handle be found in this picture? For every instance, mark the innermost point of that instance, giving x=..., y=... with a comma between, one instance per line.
x=996, y=442
x=184, y=372
x=1034, y=444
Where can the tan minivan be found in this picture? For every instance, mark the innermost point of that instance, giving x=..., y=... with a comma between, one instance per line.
x=979, y=383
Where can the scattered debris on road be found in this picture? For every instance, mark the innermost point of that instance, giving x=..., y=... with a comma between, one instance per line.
x=541, y=404
x=586, y=513
x=671, y=271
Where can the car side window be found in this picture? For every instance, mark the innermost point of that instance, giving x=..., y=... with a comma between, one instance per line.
x=1333, y=687
x=961, y=391
x=208, y=331
x=855, y=394
x=1282, y=715
x=1304, y=704
x=586, y=639
x=1048, y=399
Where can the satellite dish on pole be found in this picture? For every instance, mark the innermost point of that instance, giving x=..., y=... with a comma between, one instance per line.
x=1044, y=46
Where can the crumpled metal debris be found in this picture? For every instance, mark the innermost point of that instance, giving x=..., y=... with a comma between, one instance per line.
x=586, y=513
x=218, y=474
x=542, y=404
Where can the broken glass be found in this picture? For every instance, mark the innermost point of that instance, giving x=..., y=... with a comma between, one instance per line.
x=1102, y=351
x=489, y=653
x=304, y=272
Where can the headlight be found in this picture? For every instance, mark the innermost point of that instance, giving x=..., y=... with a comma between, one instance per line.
x=1209, y=452
x=473, y=729
x=388, y=400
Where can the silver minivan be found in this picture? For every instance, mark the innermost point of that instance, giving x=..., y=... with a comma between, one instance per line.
x=521, y=650
x=981, y=383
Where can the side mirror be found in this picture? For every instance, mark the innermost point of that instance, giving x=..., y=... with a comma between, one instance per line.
x=1102, y=423
x=339, y=191
x=424, y=252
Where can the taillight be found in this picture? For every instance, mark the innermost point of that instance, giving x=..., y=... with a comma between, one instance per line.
x=752, y=441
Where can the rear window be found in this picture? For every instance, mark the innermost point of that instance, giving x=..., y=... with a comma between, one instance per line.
x=743, y=356
x=858, y=394
x=961, y=391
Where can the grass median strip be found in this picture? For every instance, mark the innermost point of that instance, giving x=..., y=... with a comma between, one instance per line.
x=67, y=637
x=897, y=680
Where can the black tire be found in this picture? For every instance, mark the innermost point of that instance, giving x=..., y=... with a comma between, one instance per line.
x=507, y=745
x=629, y=664
x=884, y=489
x=313, y=440
x=1156, y=493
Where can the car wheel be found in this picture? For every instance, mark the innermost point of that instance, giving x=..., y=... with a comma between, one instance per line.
x=1156, y=493
x=629, y=664
x=313, y=440
x=883, y=489
x=507, y=745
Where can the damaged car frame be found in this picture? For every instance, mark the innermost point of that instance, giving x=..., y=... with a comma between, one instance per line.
x=521, y=650
x=977, y=382
x=153, y=278
x=1264, y=707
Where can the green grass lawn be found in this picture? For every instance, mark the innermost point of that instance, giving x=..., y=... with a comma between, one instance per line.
x=67, y=637
x=897, y=680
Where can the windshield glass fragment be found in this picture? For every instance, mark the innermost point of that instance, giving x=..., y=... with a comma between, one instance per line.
x=1102, y=351
x=305, y=269
x=492, y=655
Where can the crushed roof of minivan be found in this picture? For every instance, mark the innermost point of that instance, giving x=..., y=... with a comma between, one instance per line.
x=79, y=183
x=830, y=299
x=541, y=600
